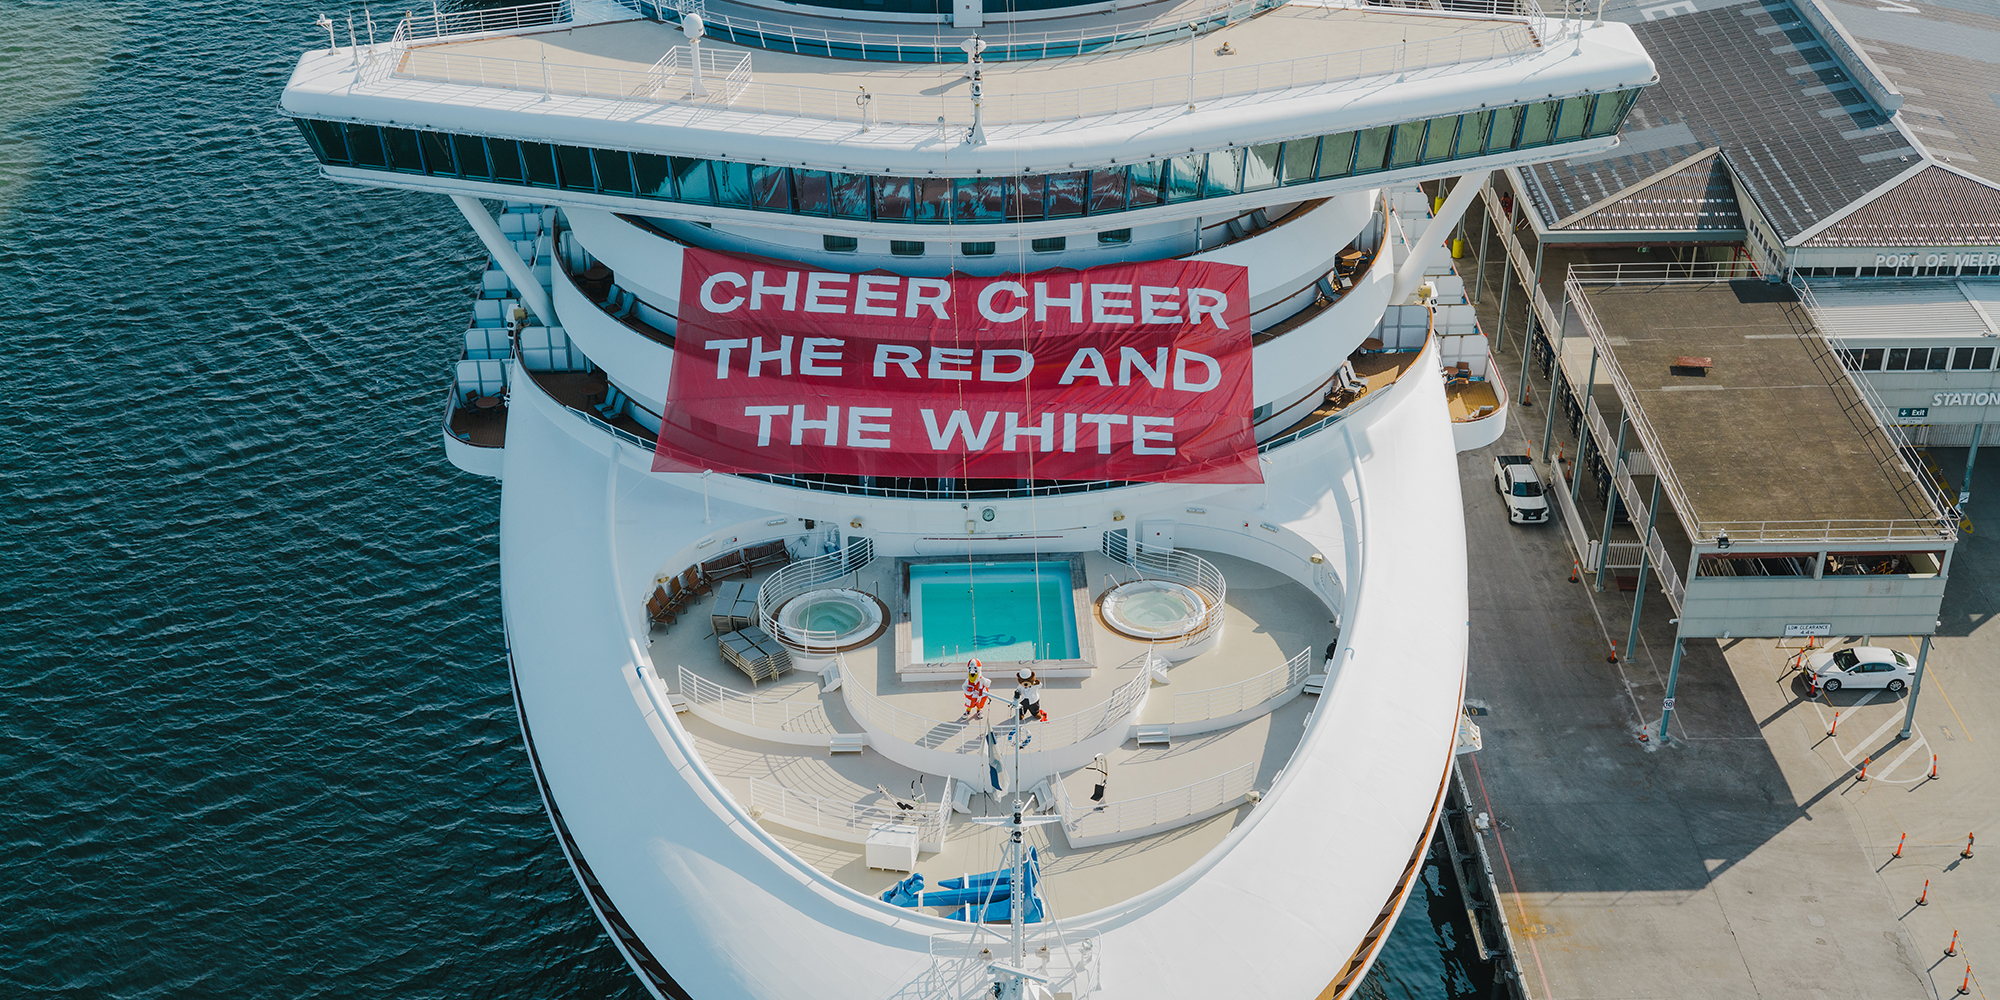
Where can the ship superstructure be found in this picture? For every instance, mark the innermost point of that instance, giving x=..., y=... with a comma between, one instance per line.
x=822, y=352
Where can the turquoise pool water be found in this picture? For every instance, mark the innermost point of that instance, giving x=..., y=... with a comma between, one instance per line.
x=995, y=611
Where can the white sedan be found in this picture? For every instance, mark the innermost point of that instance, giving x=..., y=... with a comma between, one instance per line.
x=1860, y=667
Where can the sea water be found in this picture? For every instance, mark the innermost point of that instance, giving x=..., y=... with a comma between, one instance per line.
x=255, y=725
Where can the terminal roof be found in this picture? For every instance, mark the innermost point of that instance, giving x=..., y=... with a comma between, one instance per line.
x=1774, y=431
x=1796, y=119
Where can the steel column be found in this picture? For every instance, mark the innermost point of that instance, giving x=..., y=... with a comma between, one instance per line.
x=1555, y=381
x=1971, y=455
x=1673, y=679
x=1645, y=556
x=1611, y=501
x=1916, y=682
x=1507, y=271
x=1485, y=230
x=1583, y=421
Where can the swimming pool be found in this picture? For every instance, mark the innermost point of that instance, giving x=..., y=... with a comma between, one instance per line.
x=996, y=611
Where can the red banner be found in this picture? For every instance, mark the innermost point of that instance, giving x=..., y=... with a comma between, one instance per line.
x=1124, y=372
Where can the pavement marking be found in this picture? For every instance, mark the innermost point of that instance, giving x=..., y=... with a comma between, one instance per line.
x=1870, y=741
x=1900, y=758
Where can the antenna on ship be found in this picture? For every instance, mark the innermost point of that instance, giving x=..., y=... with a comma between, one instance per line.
x=1011, y=979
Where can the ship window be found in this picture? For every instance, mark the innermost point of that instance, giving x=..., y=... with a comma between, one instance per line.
x=654, y=175
x=979, y=198
x=1371, y=152
x=365, y=145
x=1409, y=144
x=1296, y=166
x=437, y=152
x=471, y=156
x=1066, y=193
x=1024, y=198
x=1336, y=155
x=976, y=249
x=540, y=159
x=933, y=199
x=1260, y=168
x=614, y=171
x=403, y=154
x=1609, y=111
x=892, y=199
x=691, y=182
x=732, y=183
x=1107, y=190
x=332, y=141
x=1506, y=122
x=506, y=157
x=1114, y=237
x=1052, y=244
x=850, y=196
x=573, y=169
x=1571, y=119
x=813, y=191
x=1184, y=180
x=1147, y=179
x=907, y=248
x=1437, y=142
x=839, y=244
x=1225, y=173
x=1472, y=133
x=1537, y=124
x=770, y=189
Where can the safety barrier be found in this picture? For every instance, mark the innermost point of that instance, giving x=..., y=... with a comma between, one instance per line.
x=779, y=720
x=804, y=576
x=846, y=821
x=1130, y=819
x=1231, y=699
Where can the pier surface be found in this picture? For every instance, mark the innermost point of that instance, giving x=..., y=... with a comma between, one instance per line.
x=1745, y=858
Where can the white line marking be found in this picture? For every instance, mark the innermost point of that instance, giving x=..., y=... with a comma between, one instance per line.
x=1901, y=757
x=1872, y=737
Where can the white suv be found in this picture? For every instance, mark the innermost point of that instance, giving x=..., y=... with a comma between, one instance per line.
x=1860, y=667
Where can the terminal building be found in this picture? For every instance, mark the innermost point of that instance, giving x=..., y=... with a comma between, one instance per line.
x=1782, y=282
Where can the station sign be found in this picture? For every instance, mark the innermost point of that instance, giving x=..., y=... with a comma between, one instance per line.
x=1124, y=372
x=1814, y=629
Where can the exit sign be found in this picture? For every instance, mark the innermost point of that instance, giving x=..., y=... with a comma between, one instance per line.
x=1913, y=411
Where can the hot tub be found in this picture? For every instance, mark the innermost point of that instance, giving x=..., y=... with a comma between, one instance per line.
x=1153, y=609
x=831, y=619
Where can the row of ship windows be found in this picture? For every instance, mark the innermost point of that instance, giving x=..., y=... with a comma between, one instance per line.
x=915, y=248
x=869, y=197
x=1917, y=359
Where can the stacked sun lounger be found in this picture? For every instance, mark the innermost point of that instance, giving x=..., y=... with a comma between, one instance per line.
x=735, y=608
x=754, y=652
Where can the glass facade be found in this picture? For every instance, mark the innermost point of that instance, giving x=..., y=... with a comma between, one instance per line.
x=967, y=200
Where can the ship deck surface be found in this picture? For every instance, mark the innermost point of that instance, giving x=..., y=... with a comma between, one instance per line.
x=1268, y=619
x=1292, y=32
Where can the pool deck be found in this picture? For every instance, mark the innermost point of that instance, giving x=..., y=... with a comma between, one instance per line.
x=1268, y=618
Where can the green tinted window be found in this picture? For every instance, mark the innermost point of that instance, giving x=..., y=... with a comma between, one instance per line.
x=691, y=181
x=1024, y=198
x=332, y=141
x=1538, y=123
x=1336, y=155
x=1609, y=112
x=1067, y=194
x=1225, y=173
x=979, y=199
x=732, y=184
x=437, y=152
x=771, y=189
x=1148, y=183
x=933, y=196
x=470, y=151
x=851, y=196
x=573, y=169
x=1184, y=180
x=1260, y=168
x=892, y=199
x=505, y=155
x=614, y=171
x=814, y=192
x=1506, y=122
x=1409, y=144
x=1298, y=160
x=402, y=146
x=540, y=158
x=1472, y=133
x=1107, y=190
x=1437, y=141
x=1574, y=115
x=1371, y=150
x=364, y=143
x=653, y=175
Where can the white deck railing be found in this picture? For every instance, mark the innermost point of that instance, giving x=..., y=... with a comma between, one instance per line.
x=847, y=821
x=1229, y=699
x=804, y=576
x=707, y=698
x=1509, y=39
x=1191, y=571
x=723, y=74
x=877, y=715
x=1129, y=819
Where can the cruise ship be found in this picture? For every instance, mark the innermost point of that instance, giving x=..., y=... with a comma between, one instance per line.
x=979, y=512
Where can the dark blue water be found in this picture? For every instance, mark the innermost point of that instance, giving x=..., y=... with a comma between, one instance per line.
x=255, y=735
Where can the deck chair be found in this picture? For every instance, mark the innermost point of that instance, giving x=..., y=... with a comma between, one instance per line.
x=659, y=608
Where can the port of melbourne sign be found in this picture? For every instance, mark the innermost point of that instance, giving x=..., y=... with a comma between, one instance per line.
x=1126, y=372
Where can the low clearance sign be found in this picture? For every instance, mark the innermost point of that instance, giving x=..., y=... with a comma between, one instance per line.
x=1128, y=372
